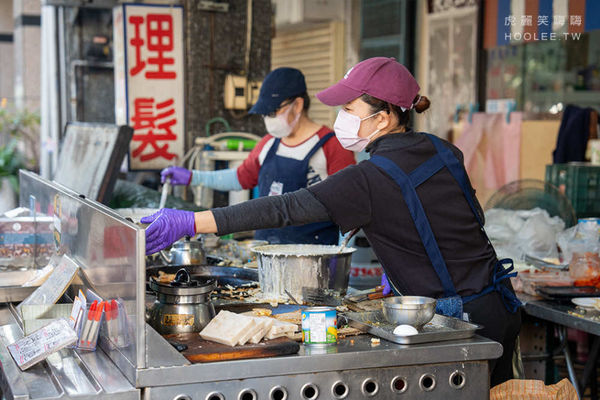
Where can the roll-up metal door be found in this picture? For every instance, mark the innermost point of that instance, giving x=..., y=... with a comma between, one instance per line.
x=317, y=51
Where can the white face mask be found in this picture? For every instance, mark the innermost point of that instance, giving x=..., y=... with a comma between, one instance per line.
x=278, y=126
x=346, y=129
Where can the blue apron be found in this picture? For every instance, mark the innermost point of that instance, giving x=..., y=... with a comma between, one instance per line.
x=451, y=304
x=280, y=175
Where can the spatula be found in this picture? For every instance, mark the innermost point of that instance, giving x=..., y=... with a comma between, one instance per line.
x=347, y=239
x=320, y=296
x=292, y=297
x=370, y=294
x=164, y=193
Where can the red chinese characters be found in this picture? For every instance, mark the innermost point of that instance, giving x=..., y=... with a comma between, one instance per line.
x=152, y=68
x=152, y=123
x=158, y=37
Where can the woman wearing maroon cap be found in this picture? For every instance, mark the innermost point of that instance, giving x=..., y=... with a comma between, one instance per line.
x=412, y=198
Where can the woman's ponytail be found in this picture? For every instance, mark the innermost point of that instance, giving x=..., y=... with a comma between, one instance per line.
x=421, y=104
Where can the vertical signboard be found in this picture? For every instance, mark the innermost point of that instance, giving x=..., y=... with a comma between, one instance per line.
x=148, y=43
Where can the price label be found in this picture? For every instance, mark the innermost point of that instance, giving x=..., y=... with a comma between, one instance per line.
x=40, y=344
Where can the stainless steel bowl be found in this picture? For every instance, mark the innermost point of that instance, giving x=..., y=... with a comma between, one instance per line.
x=410, y=310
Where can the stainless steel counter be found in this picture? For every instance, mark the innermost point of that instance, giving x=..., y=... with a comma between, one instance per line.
x=351, y=353
x=353, y=363
x=111, y=251
x=558, y=313
x=567, y=315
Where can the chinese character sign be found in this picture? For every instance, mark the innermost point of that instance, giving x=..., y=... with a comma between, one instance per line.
x=520, y=21
x=149, y=82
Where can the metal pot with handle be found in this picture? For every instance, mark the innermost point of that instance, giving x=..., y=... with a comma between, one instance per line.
x=297, y=266
x=185, y=252
x=182, y=305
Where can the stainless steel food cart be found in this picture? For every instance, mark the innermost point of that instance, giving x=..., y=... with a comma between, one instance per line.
x=110, y=251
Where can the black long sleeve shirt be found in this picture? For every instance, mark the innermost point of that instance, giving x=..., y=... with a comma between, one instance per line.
x=363, y=196
x=294, y=208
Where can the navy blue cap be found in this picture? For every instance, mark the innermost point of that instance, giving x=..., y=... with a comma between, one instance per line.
x=281, y=84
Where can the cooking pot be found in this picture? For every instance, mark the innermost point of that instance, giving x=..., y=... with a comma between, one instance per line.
x=295, y=266
x=185, y=252
x=182, y=305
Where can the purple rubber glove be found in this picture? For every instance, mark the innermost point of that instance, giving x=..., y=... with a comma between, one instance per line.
x=166, y=227
x=178, y=175
x=387, y=289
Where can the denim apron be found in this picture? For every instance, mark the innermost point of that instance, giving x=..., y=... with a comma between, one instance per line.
x=451, y=304
x=280, y=175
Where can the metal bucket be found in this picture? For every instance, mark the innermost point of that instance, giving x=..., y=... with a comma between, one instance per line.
x=294, y=266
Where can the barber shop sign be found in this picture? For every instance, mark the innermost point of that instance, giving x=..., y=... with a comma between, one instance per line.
x=148, y=56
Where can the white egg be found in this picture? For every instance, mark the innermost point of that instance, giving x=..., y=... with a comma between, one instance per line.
x=405, y=330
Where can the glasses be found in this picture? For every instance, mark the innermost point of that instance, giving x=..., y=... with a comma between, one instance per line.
x=274, y=113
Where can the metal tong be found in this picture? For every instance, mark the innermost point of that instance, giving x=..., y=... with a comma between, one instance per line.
x=542, y=264
x=370, y=294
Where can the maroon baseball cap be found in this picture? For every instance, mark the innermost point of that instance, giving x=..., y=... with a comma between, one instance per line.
x=381, y=77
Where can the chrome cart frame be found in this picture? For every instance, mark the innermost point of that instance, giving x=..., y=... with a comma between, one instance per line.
x=111, y=253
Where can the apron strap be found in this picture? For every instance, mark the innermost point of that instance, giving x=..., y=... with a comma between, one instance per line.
x=457, y=171
x=317, y=146
x=273, y=150
x=426, y=170
x=408, y=185
x=420, y=219
x=510, y=300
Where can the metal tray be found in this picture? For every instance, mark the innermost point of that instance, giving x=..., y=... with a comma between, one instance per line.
x=440, y=328
x=14, y=294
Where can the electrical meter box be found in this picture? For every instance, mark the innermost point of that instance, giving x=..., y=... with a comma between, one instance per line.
x=239, y=93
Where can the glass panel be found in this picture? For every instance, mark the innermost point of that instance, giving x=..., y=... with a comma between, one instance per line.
x=381, y=18
x=381, y=51
x=440, y=79
x=463, y=60
x=385, y=25
x=504, y=74
x=544, y=76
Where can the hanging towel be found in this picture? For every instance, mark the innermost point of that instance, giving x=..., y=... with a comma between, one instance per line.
x=491, y=149
x=573, y=135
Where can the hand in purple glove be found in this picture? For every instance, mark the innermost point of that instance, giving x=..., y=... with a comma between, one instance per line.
x=178, y=175
x=387, y=289
x=166, y=227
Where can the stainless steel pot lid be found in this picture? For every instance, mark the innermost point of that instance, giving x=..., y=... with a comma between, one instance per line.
x=187, y=244
x=183, y=285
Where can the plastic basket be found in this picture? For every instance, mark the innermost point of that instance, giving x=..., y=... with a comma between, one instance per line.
x=580, y=182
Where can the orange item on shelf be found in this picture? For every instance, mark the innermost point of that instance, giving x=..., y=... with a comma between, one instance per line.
x=584, y=268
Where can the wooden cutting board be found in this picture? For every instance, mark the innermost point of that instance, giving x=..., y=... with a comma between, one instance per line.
x=200, y=350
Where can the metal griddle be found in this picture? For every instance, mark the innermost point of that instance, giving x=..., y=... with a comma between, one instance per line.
x=233, y=276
